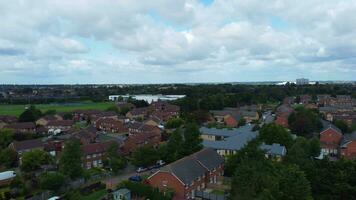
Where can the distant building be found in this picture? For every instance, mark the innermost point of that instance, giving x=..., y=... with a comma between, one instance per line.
x=302, y=81
x=122, y=194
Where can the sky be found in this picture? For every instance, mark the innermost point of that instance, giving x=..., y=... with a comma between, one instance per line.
x=180, y=41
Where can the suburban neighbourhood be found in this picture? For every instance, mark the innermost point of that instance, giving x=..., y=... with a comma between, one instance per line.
x=136, y=150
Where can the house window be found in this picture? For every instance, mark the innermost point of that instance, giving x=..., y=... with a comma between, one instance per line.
x=88, y=165
x=199, y=178
x=94, y=155
x=164, y=183
x=88, y=156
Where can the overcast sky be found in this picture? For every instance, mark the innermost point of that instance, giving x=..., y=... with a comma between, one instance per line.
x=165, y=41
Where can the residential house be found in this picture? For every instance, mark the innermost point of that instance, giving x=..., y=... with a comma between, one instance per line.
x=140, y=127
x=153, y=120
x=103, y=115
x=22, y=127
x=282, y=115
x=230, y=145
x=7, y=119
x=94, y=154
x=189, y=174
x=138, y=113
x=137, y=140
x=27, y=145
x=274, y=151
x=84, y=115
x=230, y=121
x=125, y=105
x=43, y=121
x=59, y=125
x=348, y=146
x=111, y=125
x=122, y=194
x=330, y=139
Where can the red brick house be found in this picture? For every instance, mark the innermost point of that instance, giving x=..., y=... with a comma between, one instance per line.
x=138, y=140
x=189, y=174
x=22, y=127
x=62, y=125
x=26, y=145
x=111, y=125
x=330, y=139
x=282, y=120
x=94, y=154
x=348, y=146
x=230, y=121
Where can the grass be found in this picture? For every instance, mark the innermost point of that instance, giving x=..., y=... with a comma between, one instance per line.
x=218, y=192
x=95, y=196
x=16, y=110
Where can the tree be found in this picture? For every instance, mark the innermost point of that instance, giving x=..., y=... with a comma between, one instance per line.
x=304, y=122
x=174, y=123
x=33, y=160
x=115, y=161
x=68, y=116
x=242, y=122
x=113, y=108
x=174, y=148
x=8, y=157
x=145, y=156
x=70, y=162
x=273, y=133
x=30, y=115
x=342, y=125
x=50, y=112
x=293, y=183
x=51, y=181
x=192, y=140
x=6, y=137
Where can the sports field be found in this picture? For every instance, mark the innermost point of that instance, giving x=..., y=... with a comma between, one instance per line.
x=16, y=110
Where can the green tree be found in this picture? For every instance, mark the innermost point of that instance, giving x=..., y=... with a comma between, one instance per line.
x=8, y=158
x=273, y=133
x=192, y=141
x=51, y=181
x=304, y=122
x=242, y=122
x=342, y=125
x=6, y=137
x=70, y=162
x=174, y=148
x=113, y=108
x=32, y=160
x=145, y=156
x=174, y=123
x=115, y=161
x=68, y=116
x=30, y=115
x=50, y=112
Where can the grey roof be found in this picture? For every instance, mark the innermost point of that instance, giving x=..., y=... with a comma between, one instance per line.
x=196, y=165
x=347, y=139
x=235, y=142
x=209, y=158
x=274, y=149
x=122, y=191
x=219, y=132
x=327, y=125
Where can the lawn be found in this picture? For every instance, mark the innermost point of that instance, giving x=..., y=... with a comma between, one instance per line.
x=16, y=110
x=95, y=196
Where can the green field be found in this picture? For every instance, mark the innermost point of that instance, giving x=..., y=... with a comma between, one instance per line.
x=16, y=110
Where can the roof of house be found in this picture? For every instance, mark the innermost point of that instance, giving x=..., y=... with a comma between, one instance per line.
x=22, y=125
x=60, y=123
x=96, y=147
x=347, y=139
x=8, y=118
x=274, y=149
x=235, y=142
x=327, y=125
x=223, y=131
x=193, y=166
x=27, y=144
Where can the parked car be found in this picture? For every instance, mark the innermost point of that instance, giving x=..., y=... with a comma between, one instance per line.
x=135, y=178
x=141, y=169
x=160, y=163
x=6, y=177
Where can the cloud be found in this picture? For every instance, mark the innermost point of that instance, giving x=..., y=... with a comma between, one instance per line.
x=176, y=41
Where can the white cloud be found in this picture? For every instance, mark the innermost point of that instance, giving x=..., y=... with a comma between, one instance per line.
x=160, y=40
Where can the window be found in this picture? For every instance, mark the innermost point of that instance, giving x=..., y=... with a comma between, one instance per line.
x=88, y=156
x=164, y=183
